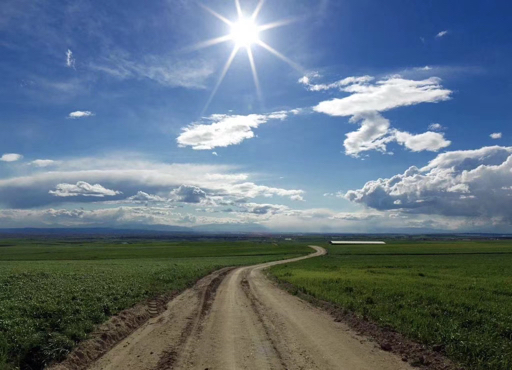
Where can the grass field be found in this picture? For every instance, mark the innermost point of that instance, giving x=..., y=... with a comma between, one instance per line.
x=455, y=294
x=53, y=293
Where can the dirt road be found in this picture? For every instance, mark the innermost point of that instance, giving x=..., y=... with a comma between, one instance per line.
x=238, y=319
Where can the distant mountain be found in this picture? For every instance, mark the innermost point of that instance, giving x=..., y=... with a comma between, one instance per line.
x=131, y=230
x=231, y=228
x=91, y=231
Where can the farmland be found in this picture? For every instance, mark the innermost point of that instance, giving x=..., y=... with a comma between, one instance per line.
x=54, y=292
x=456, y=296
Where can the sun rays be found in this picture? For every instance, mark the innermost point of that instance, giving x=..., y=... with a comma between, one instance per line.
x=244, y=33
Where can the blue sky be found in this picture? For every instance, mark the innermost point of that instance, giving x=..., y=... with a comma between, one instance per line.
x=373, y=117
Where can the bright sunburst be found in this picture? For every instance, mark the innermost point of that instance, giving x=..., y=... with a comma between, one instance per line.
x=244, y=34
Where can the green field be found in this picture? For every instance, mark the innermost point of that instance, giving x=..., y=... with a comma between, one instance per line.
x=455, y=294
x=53, y=293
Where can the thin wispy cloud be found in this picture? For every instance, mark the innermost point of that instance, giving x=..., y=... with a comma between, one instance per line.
x=306, y=81
x=43, y=163
x=442, y=34
x=70, y=60
x=436, y=127
x=164, y=70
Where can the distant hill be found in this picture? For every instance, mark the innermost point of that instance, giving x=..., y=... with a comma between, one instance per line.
x=130, y=230
x=91, y=231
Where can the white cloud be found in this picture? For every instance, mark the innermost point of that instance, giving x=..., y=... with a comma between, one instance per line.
x=371, y=135
x=215, y=154
x=263, y=209
x=431, y=141
x=384, y=95
x=145, y=197
x=221, y=130
x=496, y=135
x=188, y=194
x=43, y=162
x=82, y=188
x=367, y=100
x=442, y=33
x=165, y=70
x=10, y=157
x=306, y=80
x=436, y=127
x=375, y=133
x=80, y=114
x=471, y=183
x=105, y=217
x=70, y=61
x=131, y=175
x=251, y=190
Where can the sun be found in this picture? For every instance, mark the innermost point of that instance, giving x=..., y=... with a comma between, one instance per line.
x=245, y=34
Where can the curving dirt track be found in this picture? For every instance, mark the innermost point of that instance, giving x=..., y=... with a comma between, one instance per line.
x=238, y=319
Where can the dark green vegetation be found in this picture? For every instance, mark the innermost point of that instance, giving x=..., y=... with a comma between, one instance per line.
x=52, y=293
x=454, y=294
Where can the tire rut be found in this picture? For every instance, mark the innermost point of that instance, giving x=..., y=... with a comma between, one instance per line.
x=170, y=356
x=255, y=305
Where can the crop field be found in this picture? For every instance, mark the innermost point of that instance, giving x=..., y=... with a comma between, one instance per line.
x=53, y=293
x=457, y=295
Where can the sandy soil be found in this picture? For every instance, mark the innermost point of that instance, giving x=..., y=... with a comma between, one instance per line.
x=240, y=320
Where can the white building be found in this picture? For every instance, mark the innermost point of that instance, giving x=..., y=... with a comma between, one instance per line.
x=351, y=242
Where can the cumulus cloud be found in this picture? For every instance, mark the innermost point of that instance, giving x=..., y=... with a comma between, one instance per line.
x=10, y=157
x=142, y=196
x=495, y=135
x=221, y=130
x=375, y=133
x=43, y=162
x=263, y=209
x=70, y=60
x=431, y=141
x=442, y=34
x=188, y=194
x=367, y=99
x=80, y=114
x=470, y=183
x=436, y=127
x=384, y=95
x=82, y=188
x=371, y=135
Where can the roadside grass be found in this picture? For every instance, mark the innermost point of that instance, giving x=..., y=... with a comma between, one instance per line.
x=457, y=295
x=54, y=293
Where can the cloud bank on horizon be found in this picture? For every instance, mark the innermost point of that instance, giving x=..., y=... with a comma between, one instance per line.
x=143, y=123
